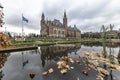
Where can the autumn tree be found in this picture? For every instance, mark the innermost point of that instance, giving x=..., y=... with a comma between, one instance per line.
x=3, y=39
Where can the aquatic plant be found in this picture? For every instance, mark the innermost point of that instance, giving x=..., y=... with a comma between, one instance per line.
x=104, y=37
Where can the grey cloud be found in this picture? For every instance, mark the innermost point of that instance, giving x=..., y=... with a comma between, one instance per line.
x=77, y=13
x=91, y=27
x=88, y=12
x=13, y=20
x=56, y=10
x=80, y=14
x=16, y=20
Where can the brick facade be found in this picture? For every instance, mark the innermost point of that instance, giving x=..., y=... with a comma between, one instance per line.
x=57, y=29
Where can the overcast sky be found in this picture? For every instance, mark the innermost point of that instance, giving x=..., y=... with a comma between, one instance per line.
x=88, y=15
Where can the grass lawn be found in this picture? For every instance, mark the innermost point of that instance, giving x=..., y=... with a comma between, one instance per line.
x=58, y=41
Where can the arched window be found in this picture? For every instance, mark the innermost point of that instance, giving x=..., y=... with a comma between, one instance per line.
x=58, y=32
x=54, y=31
x=62, y=32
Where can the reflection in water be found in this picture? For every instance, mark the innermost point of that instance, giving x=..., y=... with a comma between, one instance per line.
x=24, y=62
x=3, y=59
x=55, y=52
x=23, y=66
x=97, y=44
x=118, y=56
x=29, y=65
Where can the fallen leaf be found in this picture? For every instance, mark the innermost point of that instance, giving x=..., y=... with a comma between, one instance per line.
x=78, y=61
x=63, y=71
x=50, y=70
x=45, y=73
x=103, y=71
x=85, y=72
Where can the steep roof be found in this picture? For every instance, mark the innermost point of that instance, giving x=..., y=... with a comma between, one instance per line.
x=73, y=28
x=55, y=22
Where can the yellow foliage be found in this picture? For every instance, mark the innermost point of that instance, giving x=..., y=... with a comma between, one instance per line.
x=4, y=42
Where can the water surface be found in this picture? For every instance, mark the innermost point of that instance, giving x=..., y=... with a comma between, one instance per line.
x=18, y=65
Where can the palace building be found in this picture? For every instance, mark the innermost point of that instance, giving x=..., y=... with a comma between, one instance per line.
x=57, y=29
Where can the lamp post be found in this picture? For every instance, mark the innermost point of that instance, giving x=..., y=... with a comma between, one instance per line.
x=119, y=47
x=119, y=35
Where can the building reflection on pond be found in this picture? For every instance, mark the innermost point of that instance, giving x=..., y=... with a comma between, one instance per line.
x=118, y=56
x=55, y=52
x=36, y=61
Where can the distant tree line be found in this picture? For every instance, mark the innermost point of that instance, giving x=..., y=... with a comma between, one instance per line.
x=112, y=34
x=91, y=35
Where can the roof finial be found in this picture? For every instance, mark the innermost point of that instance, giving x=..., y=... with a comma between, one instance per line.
x=64, y=13
x=74, y=25
x=42, y=14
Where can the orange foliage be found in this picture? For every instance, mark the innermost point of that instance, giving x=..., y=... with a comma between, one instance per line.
x=3, y=39
x=4, y=42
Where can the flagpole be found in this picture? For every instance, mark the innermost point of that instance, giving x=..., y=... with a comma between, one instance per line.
x=22, y=60
x=22, y=25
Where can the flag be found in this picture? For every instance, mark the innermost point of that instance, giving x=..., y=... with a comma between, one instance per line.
x=1, y=6
x=24, y=19
x=25, y=62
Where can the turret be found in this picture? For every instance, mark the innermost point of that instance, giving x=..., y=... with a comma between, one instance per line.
x=65, y=20
x=42, y=19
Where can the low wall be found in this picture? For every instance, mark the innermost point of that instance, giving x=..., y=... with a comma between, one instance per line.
x=18, y=49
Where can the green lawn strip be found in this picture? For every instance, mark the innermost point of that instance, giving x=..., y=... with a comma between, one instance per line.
x=22, y=43
x=31, y=43
x=61, y=41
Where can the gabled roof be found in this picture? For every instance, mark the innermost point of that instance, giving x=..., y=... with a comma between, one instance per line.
x=55, y=22
x=73, y=28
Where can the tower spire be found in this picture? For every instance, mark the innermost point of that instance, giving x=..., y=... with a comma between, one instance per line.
x=65, y=14
x=42, y=17
x=65, y=20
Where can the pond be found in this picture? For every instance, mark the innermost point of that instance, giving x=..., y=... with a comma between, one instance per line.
x=21, y=65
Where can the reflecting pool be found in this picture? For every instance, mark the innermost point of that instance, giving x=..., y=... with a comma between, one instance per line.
x=20, y=65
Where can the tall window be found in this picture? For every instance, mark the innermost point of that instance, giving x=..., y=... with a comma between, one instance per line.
x=62, y=32
x=54, y=31
x=58, y=32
